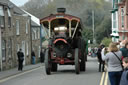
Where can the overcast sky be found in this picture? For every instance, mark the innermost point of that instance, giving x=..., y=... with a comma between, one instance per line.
x=19, y=2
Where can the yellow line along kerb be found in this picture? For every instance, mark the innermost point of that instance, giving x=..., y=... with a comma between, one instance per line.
x=3, y=80
x=106, y=79
x=102, y=78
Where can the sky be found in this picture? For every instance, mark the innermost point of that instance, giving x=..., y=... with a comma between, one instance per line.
x=19, y=2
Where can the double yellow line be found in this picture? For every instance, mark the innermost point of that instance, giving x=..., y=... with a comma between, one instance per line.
x=104, y=79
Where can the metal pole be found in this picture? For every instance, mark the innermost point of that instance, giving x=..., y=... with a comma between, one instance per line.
x=0, y=51
x=93, y=27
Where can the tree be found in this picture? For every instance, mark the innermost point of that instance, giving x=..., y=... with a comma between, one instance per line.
x=87, y=34
x=80, y=8
x=106, y=41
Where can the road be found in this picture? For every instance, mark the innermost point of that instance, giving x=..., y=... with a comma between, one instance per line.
x=65, y=76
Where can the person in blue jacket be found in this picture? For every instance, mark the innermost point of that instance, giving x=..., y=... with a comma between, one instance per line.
x=124, y=78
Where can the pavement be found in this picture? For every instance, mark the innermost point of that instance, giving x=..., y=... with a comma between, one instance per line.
x=14, y=71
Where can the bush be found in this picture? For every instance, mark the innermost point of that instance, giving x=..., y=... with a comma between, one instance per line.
x=106, y=41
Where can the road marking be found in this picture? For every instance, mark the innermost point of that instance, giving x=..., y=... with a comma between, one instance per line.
x=106, y=79
x=102, y=78
x=8, y=78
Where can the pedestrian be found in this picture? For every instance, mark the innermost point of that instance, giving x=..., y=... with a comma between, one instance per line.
x=101, y=62
x=124, y=77
x=33, y=57
x=124, y=50
x=42, y=55
x=20, y=55
x=113, y=58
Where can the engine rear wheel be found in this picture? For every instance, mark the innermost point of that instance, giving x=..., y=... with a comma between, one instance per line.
x=47, y=62
x=77, y=66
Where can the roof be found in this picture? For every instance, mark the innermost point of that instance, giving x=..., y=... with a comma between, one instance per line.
x=17, y=10
x=63, y=15
x=34, y=24
x=34, y=20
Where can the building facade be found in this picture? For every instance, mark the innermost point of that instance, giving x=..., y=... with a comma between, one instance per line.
x=15, y=33
x=36, y=46
x=36, y=35
x=119, y=20
x=115, y=35
x=123, y=19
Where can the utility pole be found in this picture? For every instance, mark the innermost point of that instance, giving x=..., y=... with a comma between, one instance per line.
x=93, y=27
x=0, y=51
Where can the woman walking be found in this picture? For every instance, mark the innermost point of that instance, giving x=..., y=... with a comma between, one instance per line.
x=113, y=58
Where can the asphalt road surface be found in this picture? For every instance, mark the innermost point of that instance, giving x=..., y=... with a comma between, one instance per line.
x=65, y=76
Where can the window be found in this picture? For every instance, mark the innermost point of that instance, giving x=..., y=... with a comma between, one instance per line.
x=2, y=18
x=10, y=48
x=27, y=48
x=39, y=52
x=9, y=18
x=116, y=4
x=3, y=50
x=114, y=20
x=119, y=1
x=122, y=17
x=26, y=27
x=18, y=47
x=33, y=35
x=17, y=27
x=38, y=33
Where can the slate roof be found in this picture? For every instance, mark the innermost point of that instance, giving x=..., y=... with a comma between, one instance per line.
x=8, y=3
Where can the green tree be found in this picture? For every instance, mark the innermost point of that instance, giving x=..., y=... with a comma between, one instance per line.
x=87, y=34
x=106, y=41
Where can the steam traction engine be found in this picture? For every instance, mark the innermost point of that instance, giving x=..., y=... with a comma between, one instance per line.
x=66, y=46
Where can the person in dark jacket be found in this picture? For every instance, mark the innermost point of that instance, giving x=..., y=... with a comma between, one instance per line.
x=124, y=77
x=101, y=62
x=33, y=57
x=124, y=50
x=20, y=55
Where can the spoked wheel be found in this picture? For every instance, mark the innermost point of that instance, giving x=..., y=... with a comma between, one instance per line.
x=77, y=66
x=54, y=67
x=47, y=62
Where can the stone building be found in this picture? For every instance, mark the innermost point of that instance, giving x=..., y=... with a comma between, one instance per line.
x=35, y=34
x=15, y=33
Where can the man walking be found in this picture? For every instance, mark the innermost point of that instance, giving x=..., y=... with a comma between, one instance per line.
x=20, y=55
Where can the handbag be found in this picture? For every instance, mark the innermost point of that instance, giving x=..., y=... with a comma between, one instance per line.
x=119, y=60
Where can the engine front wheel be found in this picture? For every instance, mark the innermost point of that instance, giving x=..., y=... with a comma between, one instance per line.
x=47, y=62
x=77, y=65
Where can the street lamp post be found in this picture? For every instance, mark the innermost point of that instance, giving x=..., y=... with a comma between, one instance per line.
x=0, y=51
x=93, y=27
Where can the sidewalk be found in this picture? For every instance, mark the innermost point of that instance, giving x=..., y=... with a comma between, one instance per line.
x=7, y=73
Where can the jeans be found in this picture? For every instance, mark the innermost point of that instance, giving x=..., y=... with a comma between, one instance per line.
x=115, y=77
x=33, y=60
